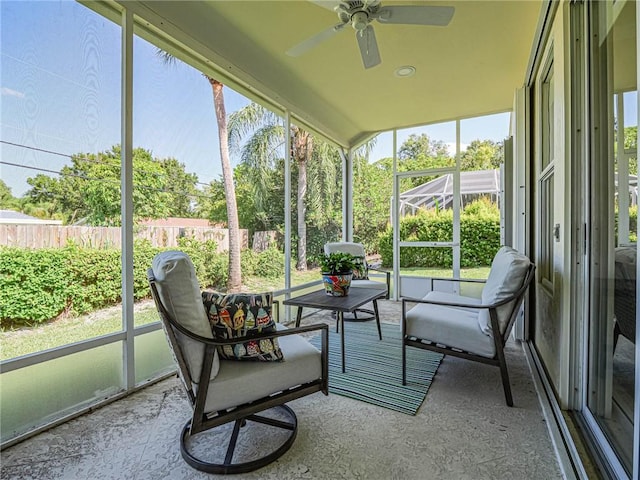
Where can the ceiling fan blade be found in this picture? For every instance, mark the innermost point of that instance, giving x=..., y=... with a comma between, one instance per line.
x=368, y=47
x=416, y=15
x=311, y=42
x=328, y=4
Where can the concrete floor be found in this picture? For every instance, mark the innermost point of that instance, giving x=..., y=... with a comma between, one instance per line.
x=463, y=430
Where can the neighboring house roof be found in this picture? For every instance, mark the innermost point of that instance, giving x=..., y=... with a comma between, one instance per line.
x=13, y=217
x=178, y=222
x=439, y=191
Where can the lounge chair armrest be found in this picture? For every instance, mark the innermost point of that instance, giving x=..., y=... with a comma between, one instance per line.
x=494, y=305
x=388, y=278
x=233, y=341
x=386, y=272
x=458, y=280
x=450, y=304
x=379, y=269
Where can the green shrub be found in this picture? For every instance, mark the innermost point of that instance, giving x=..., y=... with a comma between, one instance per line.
x=95, y=278
x=479, y=237
x=38, y=285
x=271, y=263
x=34, y=284
x=212, y=268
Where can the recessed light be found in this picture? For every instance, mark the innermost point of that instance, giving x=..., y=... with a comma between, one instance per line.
x=405, y=71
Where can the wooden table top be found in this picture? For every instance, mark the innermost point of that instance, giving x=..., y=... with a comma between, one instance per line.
x=319, y=299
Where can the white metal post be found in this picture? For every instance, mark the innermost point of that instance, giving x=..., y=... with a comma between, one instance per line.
x=456, y=208
x=347, y=195
x=126, y=196
x=636, y=408
x=287, y=211
x=623, y=175
x=395, y=218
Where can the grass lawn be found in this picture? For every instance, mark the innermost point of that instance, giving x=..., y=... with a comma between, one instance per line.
x=71, y=329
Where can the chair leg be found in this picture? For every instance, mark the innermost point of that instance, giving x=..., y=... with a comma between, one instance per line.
x=404, y=363
x=616, y=334
x=404, y=345
x=505, y=377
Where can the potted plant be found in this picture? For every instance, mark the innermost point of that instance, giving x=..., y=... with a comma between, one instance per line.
x=337, y=269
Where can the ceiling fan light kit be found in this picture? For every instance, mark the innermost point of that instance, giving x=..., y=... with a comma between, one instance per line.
x=360, y=13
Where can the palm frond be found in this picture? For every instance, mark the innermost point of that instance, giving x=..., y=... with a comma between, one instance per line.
x=261, y=153
x=166, y=57
x=247, y=120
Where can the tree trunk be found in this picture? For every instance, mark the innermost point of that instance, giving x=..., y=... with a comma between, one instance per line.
x=303, y=146
x=234, y=282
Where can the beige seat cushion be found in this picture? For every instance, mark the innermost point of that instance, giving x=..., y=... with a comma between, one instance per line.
x=369, y=284
x=450, y=326
x=241, y=382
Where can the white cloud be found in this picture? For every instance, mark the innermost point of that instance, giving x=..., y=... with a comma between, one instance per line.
x=11, y=93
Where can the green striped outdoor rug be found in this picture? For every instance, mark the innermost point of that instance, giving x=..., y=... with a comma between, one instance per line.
x=374, y=367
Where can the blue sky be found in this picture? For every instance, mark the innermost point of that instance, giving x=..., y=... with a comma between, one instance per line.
x=60, y=84
x=60, y=81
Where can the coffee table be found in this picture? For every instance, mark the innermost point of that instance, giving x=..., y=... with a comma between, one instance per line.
x=356, y=298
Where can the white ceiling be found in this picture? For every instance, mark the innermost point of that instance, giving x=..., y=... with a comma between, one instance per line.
x=470, y=67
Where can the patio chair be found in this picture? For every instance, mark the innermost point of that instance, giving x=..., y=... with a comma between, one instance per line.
x=240, y=419
x=624, y=306
x=361, y=274
x=471, y=328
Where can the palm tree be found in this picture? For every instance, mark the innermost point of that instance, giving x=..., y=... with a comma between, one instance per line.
x=317, y=161
x=261, y=151
x=234, y=281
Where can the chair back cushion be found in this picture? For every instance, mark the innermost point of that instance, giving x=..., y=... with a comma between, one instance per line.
x=242, y=316
x=624, y=305
x=361, y=270
x=180, y=295
x=508, y=271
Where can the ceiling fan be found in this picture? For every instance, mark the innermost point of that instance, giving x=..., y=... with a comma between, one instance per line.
x=360, y=13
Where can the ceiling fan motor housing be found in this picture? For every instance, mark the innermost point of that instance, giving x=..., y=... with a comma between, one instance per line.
x=358, y=13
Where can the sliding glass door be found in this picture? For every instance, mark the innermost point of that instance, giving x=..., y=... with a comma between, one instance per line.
x=610, y=377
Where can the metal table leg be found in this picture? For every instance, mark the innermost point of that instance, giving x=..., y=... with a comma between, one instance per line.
x=341, y=322
x=375, y=309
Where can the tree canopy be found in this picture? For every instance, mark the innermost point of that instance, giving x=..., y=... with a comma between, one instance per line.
x=7, y=200
x=89, y=188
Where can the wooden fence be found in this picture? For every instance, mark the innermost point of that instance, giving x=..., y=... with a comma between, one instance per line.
x=57, y=236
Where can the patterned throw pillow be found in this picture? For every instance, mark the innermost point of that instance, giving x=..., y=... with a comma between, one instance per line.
x=361, y=269
x=242, y=316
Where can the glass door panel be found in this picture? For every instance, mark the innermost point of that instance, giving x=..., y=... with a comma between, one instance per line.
x=547, y=332
x=612, y=322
